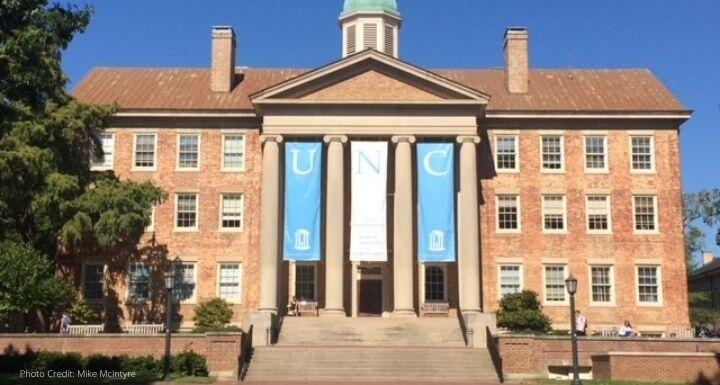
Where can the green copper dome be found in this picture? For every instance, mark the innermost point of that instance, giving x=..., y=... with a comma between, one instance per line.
x=352, y=6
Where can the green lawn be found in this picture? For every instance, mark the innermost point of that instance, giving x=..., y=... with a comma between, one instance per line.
x=12, y=379
x=595, y=382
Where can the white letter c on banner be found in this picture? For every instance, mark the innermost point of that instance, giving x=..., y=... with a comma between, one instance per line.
x=428, y=168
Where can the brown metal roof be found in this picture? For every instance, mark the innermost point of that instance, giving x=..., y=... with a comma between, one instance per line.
x=634, y=90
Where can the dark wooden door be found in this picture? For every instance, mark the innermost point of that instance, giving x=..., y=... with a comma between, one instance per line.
x=370, y=291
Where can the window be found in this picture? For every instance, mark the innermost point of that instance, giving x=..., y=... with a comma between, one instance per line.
x=597, y=209
x=184, y=289
x=230, y=282
x=434, y=284
x=508, y=213
x=555, y=283
x=595, y=153
x=601, y=284
x=642, y=153
x=188, y=151
x=506, y=153
x=186, y=211
x=648, y=284
x=552, y=153
x=151, y=226
x=510, y=279
x=145, y=150
x=139, y=282
x=645, y=208
x=104, y=162
x=231, y=216
x=93, y=281
x=553, y=213
x=233, y=152
x=305, y=282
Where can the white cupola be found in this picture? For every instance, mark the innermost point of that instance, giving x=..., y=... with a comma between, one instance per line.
x=370, y=24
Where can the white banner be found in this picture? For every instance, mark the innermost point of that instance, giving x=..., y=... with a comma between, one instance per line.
x=368, y=223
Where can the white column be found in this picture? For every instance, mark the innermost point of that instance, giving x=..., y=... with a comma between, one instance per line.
x=335, y=225
x=269, y=214
x=403, y=227
x=468, y=227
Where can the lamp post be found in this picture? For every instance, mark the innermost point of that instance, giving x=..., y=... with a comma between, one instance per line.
x=571, y=286
x=169, y=283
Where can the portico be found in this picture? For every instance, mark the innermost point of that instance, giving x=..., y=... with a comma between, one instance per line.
x=370, y=97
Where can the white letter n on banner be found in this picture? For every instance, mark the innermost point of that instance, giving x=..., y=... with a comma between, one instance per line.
x=362, y=155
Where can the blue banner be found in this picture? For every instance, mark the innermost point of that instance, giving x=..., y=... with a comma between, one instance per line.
x=436, y=202
x=303, y=173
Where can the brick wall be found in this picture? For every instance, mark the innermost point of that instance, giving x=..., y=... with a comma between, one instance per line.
x=220, y=350
x=530, y=356
x=699, y=368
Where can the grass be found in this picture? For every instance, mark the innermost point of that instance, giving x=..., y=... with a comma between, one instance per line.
x=13, y=379
x=596, y=382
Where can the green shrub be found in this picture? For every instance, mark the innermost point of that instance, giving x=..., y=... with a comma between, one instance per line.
x=45, y=361
x=13, y=362
x=211, y=329
x=143, y=365
x=189, y=363
x=98, y=362
x=83, y=314
x=520, y=312
x=214, y=313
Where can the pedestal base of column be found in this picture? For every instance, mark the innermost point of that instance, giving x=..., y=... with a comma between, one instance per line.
x=403, y=313
x=333, y=313
x=261, y=321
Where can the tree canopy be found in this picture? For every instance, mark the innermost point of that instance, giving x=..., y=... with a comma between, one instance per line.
x=704, y=207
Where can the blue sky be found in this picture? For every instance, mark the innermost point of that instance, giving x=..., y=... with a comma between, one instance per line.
x=677, y=40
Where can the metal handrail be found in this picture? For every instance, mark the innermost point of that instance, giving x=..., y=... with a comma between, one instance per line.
x=246, y=352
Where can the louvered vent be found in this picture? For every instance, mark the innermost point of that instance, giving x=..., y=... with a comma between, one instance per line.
x=370, y=38
x=389, y=40
x=350, y=46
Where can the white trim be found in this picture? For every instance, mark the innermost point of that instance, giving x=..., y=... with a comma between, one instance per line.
x=499, y=277
x=194, y=263
x=151, y=227
x=83, y=264
x=561, y=170
x=219, y=264
x=658, y=270
x=171, y=114
x=566, y=273
x=606, y=155
x=611, y=266
x=104, y=167
x=178, y=168
x=197, y=213
x=244, y=152
x=586, y=116
x=564, y=230
x=133, y=166
x=652, y=153
x=441, y=266
x=608, y=204
x=517, y=153
x=656, y=215
x=242, y=213
x=497, y=215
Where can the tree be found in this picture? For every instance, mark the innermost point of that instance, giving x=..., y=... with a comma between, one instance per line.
x=520, y=312
x=702, y=206
x=50, y=200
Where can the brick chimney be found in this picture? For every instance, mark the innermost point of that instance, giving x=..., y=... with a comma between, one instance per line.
x=517, y=68
x=222, y=78
x=708, y=256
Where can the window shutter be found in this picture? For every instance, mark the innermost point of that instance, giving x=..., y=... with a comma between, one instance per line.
x=350, y=40
x=389, y=40
x=370, y=37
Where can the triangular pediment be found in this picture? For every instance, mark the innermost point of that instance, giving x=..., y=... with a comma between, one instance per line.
x=370, y=77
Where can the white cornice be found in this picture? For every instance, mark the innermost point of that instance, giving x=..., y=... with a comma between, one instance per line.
x=609, y=115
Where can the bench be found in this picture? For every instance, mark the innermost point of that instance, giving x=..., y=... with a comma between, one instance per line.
x=144, y=329
x=309, y=308
x=84, y=330
x=682, y=333
x=434, y=309
x=606, y=332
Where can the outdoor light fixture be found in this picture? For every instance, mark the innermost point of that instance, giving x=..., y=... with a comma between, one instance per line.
x=571, y=286
x=169, y=283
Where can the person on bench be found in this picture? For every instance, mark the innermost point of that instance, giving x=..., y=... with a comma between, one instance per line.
x=293, y=307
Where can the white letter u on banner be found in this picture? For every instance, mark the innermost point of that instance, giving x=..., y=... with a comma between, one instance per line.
x=295, y=163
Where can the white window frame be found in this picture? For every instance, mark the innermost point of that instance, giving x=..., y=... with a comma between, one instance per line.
x=315, y=278
x=562, y=155
x=82, y=281
x=193, y=299
x=197, y=212
x=652, y=154
x=658, y=269
x=105, y=166
x=239, y=298
x=606, y=155
x=128, y=292
x=177, y=152
x=155, y=152
x=242, y=213
x=151, y=226
x=517, y=153
x=497, y=215
x=656, y=218
x=443, y=267
x=564, y=230
x=611, y=268
x=566, y=274
x=244, y=153
x=609, y=214
x=499, y=277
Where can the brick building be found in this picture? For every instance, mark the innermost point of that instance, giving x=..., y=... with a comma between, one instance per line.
x=557, y=172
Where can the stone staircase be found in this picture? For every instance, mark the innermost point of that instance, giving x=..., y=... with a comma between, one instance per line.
x=371, y=349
